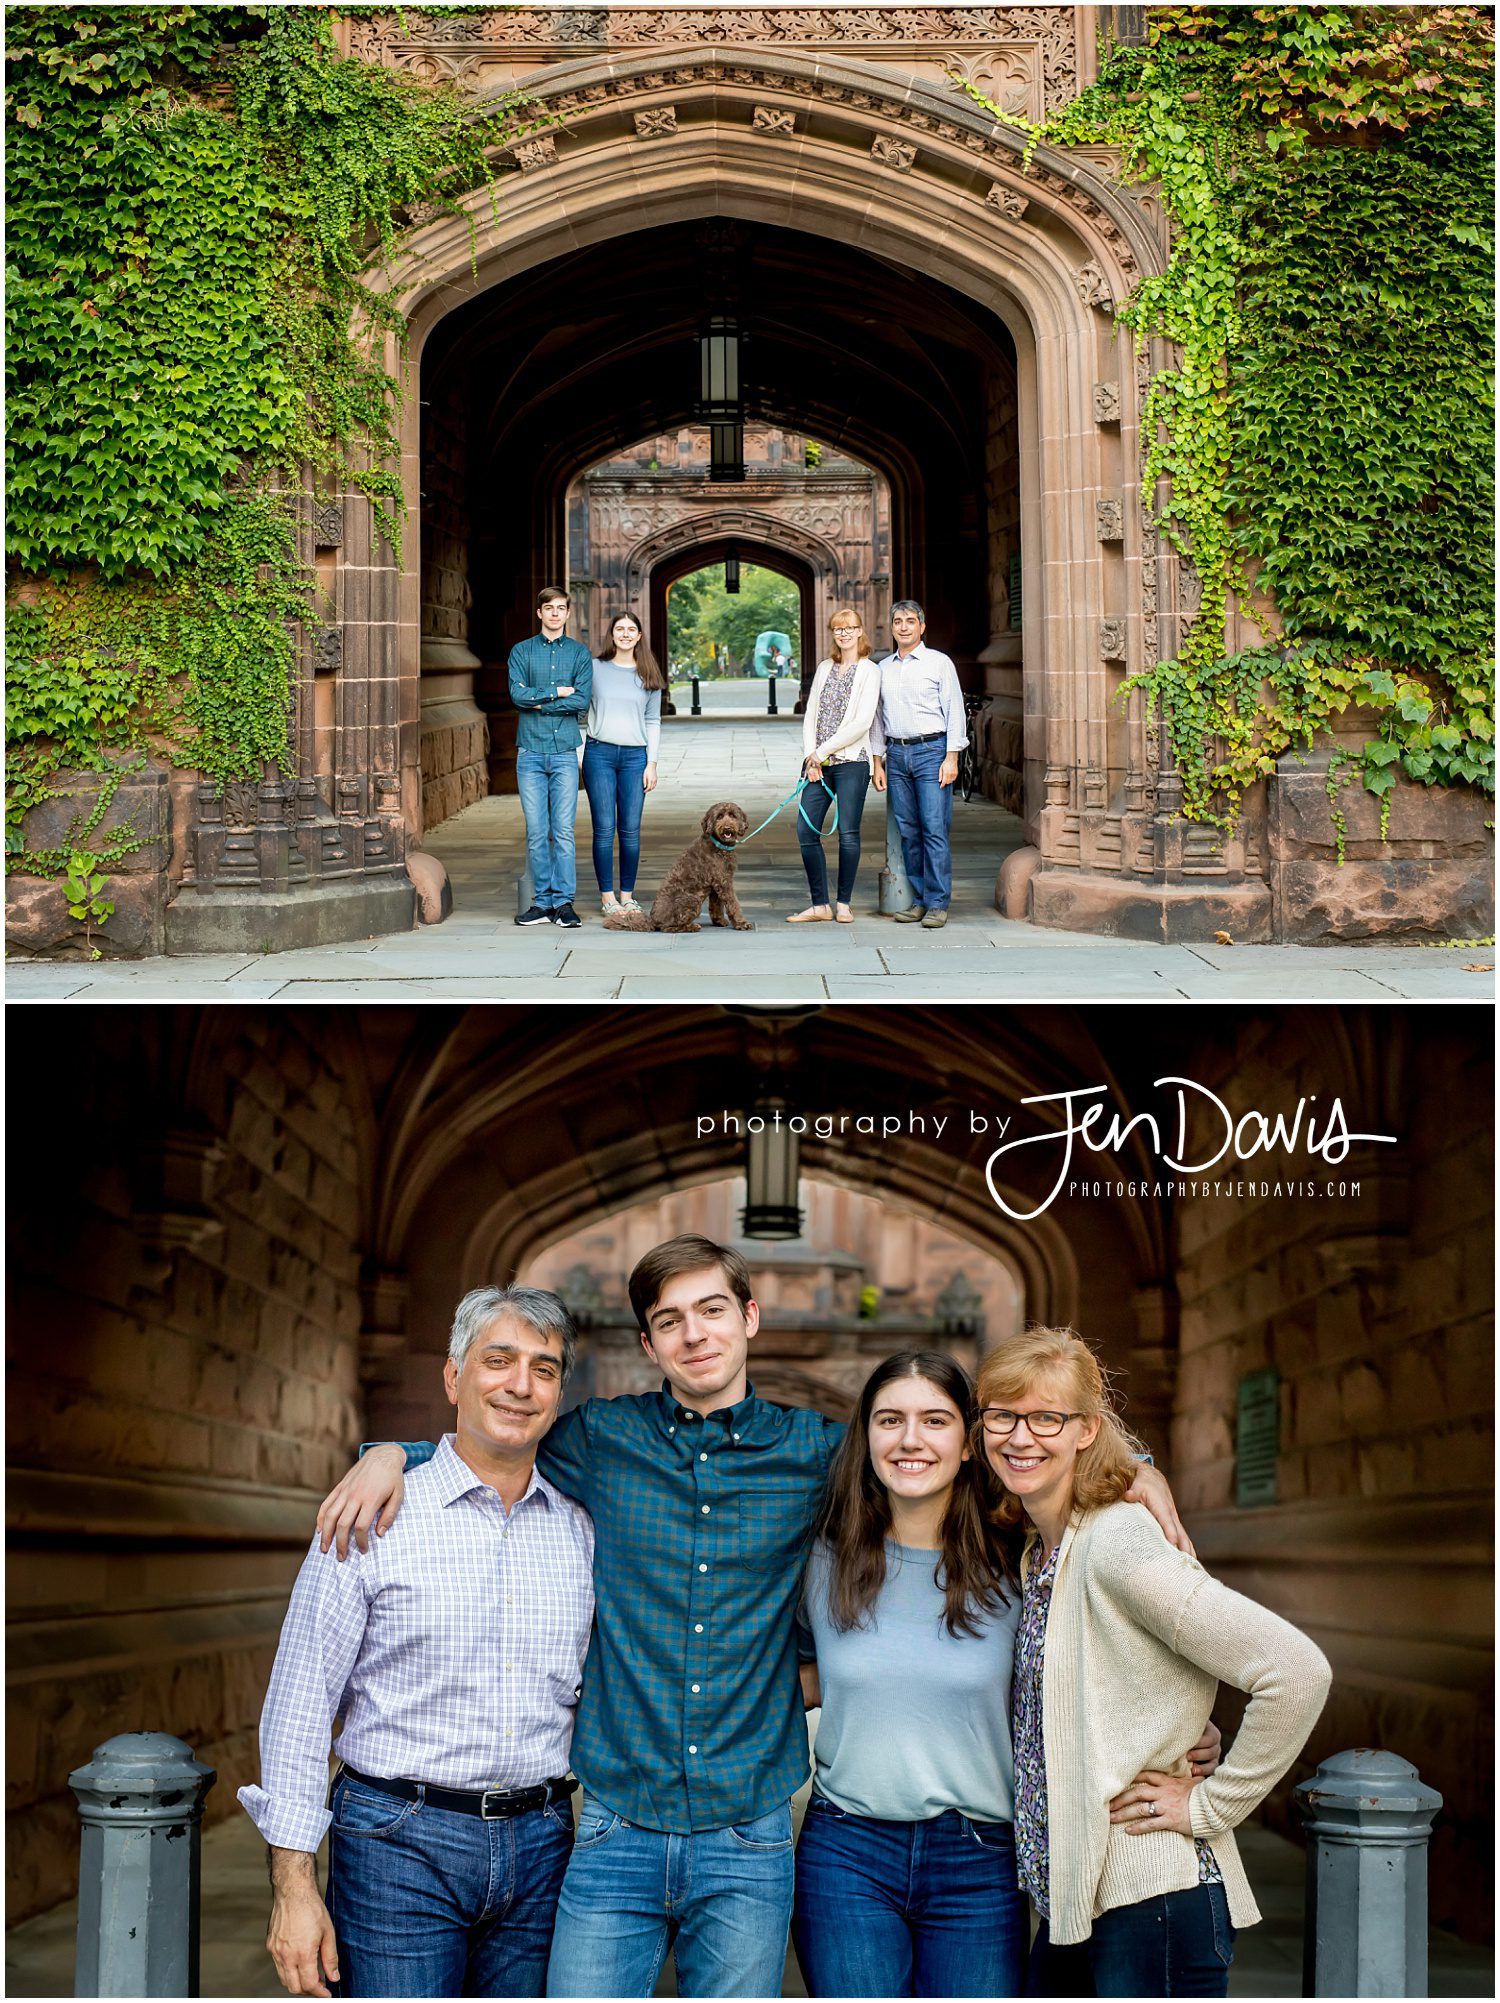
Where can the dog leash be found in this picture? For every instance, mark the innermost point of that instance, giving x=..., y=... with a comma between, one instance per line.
x=796, y=794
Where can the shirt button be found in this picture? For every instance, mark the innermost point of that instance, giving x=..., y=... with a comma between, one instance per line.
x=703, y=1457
x=671, y=1429
x=697, y=1627
x=705, y=1509
x=692, y=1749
x=696, y=1688
x=703, y=1568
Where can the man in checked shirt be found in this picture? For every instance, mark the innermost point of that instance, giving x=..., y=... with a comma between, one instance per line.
x=450, y=1655
x=691, y=1736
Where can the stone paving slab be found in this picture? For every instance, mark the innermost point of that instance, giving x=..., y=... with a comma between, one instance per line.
x=975, y=987
x=525, y=987
x=663, y=987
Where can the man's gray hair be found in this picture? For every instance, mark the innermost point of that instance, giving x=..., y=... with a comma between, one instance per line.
x=908, y=605
x=539, y=1310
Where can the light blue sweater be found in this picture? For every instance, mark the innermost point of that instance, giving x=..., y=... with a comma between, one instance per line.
x=620, y=710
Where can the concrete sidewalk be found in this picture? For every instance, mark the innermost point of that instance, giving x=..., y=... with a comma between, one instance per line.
x=480, y=955
x=237, y=1904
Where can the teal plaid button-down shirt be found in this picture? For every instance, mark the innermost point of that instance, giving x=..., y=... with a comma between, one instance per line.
x=691, y=1715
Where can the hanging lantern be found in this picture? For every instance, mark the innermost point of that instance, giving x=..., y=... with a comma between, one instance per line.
x=771, y=1208
x=732, y=572
x=720, y=403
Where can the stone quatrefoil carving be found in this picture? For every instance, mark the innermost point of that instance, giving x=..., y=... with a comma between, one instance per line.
x=657, y=123
x=893, y=153
x=1109, y=520
x=1111, y=639
x=539, y=152
x=328, y=525
x=776, y=124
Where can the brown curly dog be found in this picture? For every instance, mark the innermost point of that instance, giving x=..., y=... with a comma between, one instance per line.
x=703, y=871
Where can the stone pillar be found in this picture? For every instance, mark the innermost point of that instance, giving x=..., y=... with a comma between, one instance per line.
x=140, y=1800
x=1369, y=1820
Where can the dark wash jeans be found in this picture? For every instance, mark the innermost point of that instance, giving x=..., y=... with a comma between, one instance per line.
x=429, y=1903
x=850, y=783
x=613, y=778
x=907, y=1908
x=1178, y=1944
x=924, y=815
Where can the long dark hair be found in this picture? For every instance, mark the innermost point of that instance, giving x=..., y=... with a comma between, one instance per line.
x=647, y=673
x=976, y=1561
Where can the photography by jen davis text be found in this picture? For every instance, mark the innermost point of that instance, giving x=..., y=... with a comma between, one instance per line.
x=1195, y=1134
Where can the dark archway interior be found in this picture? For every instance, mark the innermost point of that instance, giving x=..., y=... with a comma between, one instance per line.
x=545, y=374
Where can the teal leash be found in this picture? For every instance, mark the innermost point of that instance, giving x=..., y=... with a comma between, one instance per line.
x=796, y=794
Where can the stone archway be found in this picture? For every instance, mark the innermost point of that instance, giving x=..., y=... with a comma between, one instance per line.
x=918, y=182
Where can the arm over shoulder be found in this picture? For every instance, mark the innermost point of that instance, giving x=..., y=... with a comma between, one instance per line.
x=565, y=1454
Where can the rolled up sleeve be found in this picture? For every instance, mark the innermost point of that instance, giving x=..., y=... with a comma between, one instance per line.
x=320, y=1644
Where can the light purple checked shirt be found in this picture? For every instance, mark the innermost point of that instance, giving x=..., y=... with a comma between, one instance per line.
x=918, y=697
x=452, y=1650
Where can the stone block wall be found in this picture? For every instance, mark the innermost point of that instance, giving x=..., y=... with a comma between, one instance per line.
x=1376, y=1312
x=183, y=1387
x=454, y=736
x=1001, y=724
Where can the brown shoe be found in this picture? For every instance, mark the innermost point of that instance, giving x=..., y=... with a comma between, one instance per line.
x=913, y=916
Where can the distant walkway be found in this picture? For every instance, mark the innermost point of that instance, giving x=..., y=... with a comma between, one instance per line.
x=479, y=955
x=237, y=1904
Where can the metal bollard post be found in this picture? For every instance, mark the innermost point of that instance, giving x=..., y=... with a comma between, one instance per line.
x=140, y=1799
x=697, y=709
x=1369, y=1820
x=771, y=694
x=895, y=884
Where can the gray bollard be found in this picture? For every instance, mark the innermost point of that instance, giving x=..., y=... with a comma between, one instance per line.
x=895, y=884
x=1369, y=1819
x=140, y=1799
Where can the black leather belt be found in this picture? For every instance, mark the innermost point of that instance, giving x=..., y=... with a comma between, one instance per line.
x=931, y=738
x=493, y=1804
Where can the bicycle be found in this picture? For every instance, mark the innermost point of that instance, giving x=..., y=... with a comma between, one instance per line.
x=968, y=758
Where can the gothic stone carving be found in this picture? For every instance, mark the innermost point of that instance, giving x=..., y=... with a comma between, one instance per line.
x=1106, y=403
x=538, y=152
x=328, y=654
x=328, y=525
x=778, y=124
x=1092, y=286
x=893, y=153
x=1109, y=520
x=1007, y=202
x=657, y=123
x=1111, y=639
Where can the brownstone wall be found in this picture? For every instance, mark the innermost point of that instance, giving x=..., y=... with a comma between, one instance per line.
x=1001, y=724
x=183, y=1387
x=1376, y=1312
x=454, y=737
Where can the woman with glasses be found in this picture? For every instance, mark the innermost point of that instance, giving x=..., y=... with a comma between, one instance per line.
x=841, y=706
x=621, y=741
x=906, y=1875
x=1126, y=1853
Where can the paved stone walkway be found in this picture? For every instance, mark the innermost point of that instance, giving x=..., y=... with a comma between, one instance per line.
x=480, y=955
x=236, y=1906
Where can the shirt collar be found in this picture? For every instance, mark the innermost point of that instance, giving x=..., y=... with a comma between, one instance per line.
x=454, y=1477
x=919, y=648
x=737, y=1420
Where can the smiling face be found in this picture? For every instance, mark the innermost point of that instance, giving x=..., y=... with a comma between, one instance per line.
x=507, y=1392
x=626, y=634
x=726, y=822
x=906, y=628
x=699, y=1335
x=1039, y=1471
x=916, y=1439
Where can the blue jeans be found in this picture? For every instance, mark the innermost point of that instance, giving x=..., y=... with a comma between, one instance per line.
x=548, y=784
x=426, y=1902
x=1178, y=1944
x=722, y=1898
x=924, y=814
x=907, y=1908
x=850, y=783
x=613, y=776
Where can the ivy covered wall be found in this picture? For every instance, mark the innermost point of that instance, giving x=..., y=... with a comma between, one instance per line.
x=196, y=193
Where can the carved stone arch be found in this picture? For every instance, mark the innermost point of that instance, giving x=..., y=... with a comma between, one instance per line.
x=1095, y=774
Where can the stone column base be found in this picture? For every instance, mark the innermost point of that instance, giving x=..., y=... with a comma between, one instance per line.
x=1175, y=914
x=275, y=921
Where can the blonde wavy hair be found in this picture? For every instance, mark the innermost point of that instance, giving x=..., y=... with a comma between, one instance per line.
x=862, y=645
x=1057, y=1363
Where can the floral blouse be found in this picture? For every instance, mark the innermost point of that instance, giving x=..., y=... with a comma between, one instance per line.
x=1026, y=1736
x=834, y=702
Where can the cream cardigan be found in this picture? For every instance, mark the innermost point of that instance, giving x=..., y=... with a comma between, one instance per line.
x=853, y=735
x=1138, y=1639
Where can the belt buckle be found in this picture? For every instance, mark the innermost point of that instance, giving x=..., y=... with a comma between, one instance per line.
x=494, y=1794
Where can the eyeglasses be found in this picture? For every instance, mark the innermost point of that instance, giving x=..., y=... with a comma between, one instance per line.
x=1041, y=1425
